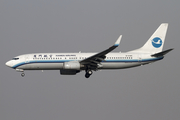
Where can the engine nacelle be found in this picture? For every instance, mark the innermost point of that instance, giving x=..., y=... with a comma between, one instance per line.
x=74, y=65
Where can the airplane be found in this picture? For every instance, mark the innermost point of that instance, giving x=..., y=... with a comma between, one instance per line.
x=73, y=63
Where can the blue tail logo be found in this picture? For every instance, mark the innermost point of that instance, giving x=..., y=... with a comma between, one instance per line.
x=157, y=42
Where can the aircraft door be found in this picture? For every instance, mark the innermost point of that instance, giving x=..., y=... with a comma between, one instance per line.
x=26, y=59
x=139, y=58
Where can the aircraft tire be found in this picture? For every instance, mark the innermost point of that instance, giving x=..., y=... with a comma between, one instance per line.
x=87, y=75
x=89, y=72
x=22, y=74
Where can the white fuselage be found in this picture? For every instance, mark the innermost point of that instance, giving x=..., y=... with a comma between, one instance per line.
x=54, y=61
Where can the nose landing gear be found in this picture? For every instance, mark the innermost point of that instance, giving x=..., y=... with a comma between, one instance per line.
x=23, y=74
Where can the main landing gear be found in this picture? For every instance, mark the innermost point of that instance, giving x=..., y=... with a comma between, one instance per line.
x=23, y=74
x=88, y=73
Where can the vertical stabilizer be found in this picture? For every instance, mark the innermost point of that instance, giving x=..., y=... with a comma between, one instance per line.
x=156, y=41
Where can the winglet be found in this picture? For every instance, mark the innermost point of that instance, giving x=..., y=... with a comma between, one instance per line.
x=118, y=41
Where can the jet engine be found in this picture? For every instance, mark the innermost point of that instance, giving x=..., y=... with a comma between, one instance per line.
x=74, y=65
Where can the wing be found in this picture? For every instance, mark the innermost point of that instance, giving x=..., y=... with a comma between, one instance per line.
x=94, y=61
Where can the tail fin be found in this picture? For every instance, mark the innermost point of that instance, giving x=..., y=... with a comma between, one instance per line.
x=156, y=41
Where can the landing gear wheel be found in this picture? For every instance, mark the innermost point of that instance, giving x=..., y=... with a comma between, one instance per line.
x=22, y=74
x=88, y=73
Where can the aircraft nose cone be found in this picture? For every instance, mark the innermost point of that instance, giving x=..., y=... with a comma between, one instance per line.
x=9, y=64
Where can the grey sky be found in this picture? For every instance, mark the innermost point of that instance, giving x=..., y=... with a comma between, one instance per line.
x=149, y=92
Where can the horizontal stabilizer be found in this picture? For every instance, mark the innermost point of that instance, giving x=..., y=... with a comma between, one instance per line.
x=161, y=53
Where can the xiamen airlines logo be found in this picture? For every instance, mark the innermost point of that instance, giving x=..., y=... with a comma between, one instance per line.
x=157, y=42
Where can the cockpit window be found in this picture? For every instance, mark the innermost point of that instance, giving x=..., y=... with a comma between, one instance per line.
x=15, y=58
